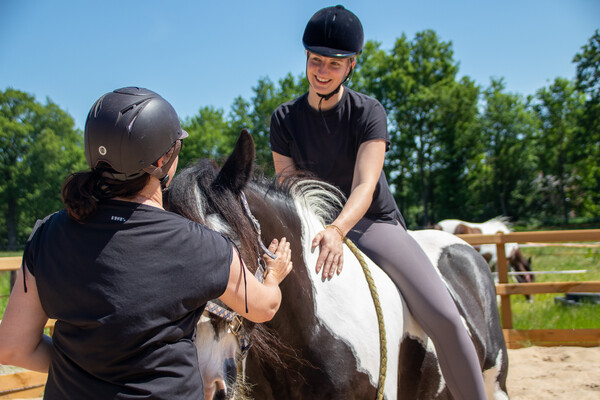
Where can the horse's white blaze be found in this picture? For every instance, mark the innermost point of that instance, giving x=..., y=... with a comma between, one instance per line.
x=358, y=325
x=213, y=349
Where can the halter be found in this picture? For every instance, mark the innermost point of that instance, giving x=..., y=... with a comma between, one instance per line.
x=236, y=322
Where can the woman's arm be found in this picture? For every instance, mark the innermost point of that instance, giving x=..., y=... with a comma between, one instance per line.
x=263, y=299
x=22, y=340
x=283, y=165
x=368, y=167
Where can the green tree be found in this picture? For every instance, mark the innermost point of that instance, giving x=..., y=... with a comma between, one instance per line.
x=267, y=97
x=507, y=164
x=588, y=138
x=458, y=141
x=39, y=147
x=430, y=116
x=209, y=137
x=559, y=109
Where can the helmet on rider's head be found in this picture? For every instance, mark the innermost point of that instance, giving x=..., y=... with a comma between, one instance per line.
x=130, y=129
x=334, y=32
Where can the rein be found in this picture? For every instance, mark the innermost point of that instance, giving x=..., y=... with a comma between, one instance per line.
x=379, y=311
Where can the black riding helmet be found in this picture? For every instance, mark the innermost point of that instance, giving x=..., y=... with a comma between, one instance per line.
x=334, y=32
x=130, y=129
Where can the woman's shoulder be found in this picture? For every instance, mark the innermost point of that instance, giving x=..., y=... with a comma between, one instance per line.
x=361, y=99
x=292, y=106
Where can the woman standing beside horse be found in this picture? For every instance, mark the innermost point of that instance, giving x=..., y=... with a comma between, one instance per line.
x=126, y=280
x=341, y=136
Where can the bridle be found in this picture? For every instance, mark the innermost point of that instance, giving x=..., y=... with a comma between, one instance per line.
x=235, y=321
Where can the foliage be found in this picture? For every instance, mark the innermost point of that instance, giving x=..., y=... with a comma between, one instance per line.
x=588, y=137
x=457, y=150
x=431, y=116
x=39, y=147
x=207, y=138
x=506, y=159
x=558, y=109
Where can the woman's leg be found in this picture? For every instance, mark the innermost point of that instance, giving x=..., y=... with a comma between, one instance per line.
x=429, y=301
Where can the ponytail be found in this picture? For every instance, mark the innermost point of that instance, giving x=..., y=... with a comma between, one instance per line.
x=78, y=194
x=82, y=191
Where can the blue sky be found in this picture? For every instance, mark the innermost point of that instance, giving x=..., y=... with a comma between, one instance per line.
x=206, y=53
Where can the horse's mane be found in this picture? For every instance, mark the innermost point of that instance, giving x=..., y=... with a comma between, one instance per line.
x=319, y=197
x=196, y=195
x=502, y=219
x=185, y=198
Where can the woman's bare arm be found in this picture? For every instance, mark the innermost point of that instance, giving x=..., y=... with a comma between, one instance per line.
x=22, y=340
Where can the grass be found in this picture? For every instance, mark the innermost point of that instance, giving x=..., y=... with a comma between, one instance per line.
x=545, y=312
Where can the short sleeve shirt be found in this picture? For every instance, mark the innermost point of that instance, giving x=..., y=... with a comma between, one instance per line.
x=298, y=131
x=127, y=288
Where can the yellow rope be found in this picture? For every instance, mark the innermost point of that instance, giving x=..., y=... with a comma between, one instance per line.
x=375, y=296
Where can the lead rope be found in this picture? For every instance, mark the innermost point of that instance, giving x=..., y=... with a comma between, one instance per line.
x=377, y=303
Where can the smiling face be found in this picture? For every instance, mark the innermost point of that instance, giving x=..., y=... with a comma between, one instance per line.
x=325, y=74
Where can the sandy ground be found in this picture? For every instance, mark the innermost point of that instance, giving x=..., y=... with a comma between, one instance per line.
x=544, y=373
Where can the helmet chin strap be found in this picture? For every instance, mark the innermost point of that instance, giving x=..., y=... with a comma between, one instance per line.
x=161, y=173
x=330, y=95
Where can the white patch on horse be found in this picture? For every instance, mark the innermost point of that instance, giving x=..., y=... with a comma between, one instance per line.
x=490, y=376
x=218, y=224
x=216, y=348
x=200, y=200
x=358, y=328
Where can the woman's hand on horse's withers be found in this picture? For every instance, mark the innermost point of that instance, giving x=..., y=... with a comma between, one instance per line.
x=331, y=255
x=281, y=266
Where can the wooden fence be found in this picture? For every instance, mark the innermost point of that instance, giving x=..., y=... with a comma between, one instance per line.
x=516, y=338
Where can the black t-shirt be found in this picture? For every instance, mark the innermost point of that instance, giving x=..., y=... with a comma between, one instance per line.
x=127, y=288
x=298, y=131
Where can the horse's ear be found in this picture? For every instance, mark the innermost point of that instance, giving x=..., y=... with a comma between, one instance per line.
x=237, y=170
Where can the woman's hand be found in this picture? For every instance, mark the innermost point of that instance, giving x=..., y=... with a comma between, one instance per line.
x=281, y=266
x=331, y=255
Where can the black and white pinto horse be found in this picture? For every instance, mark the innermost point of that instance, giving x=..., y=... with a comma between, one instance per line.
x=323, y=343
x=516, y=260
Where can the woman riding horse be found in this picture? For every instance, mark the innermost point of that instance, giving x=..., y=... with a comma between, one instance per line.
x=341, y=136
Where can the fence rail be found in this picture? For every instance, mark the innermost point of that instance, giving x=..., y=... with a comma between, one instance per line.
x=516, y=338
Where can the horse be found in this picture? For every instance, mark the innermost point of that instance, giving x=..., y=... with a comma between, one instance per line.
x=325, y=341
x=516, y=260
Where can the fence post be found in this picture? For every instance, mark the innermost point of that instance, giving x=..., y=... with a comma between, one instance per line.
x=503, y=278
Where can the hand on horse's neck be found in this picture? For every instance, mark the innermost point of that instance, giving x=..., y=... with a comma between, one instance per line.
x=150, y=195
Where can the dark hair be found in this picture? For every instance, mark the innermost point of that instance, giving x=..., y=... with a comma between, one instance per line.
x=81, y=191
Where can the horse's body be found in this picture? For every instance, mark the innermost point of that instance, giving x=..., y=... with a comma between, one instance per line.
x=516, y=260
x=329, y=329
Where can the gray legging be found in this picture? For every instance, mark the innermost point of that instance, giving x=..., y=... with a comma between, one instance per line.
x=398, y=254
